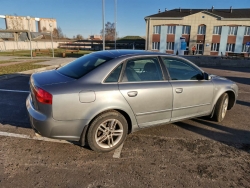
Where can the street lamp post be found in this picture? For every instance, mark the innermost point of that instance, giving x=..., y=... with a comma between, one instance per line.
x=51, y=38
x=103, y=25
x=115, y=21
x=28, y=18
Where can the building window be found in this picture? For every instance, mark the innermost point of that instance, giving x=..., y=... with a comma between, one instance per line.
x=186, y=29
x=230, y=47
x=201, y=29
x=245, y=48
x=155, y=46
x=171, y=29
x=247, y=31
x=215, y=47
x=157, y=29
x=170, y=46
x=217, y=30
x=232, y=30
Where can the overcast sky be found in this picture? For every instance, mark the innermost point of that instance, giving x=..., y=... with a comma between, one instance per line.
x=85, y=16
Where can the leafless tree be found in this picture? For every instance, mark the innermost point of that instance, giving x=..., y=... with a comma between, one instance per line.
x=79, y=37
x=109, y=31
x=44, y=29
x=58, y=33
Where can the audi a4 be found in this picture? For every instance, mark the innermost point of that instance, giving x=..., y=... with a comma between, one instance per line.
x=100, y=98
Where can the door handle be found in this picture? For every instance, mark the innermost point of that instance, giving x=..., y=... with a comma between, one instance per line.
x=132, y=93
x=178, y=90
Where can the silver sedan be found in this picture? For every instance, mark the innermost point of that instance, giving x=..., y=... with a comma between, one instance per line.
x=100, y=98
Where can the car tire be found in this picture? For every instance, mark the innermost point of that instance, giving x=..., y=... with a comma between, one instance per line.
x=221, y=108
x=107, y=131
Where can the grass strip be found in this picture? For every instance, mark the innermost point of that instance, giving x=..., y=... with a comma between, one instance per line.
x=21, y=67
x=57, y=53
x=8, y=61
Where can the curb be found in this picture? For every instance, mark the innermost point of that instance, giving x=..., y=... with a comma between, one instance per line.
x=28, y=72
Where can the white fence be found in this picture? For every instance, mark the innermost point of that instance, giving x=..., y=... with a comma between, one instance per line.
x=21, y=45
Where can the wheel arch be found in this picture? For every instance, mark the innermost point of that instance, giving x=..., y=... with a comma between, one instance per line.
x=232, y=99
x=83, y=137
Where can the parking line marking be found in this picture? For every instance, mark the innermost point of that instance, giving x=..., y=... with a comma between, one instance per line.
x=33, y=138
x=18, y=91
x=117, y=153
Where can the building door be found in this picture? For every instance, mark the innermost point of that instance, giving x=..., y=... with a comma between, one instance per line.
x=199, y=48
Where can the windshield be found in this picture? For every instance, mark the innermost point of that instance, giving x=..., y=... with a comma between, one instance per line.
x=83, y=65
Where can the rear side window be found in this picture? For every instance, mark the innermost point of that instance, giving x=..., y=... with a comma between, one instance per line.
x=83, y=65
x=143, y=69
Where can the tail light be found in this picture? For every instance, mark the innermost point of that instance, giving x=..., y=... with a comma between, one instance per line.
x=42, y=96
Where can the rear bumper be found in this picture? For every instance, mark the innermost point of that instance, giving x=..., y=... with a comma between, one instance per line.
x=49, y=127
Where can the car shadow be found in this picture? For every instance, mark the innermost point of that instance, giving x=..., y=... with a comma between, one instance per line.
x=244, y=103
x=240, y=80
x=239, y=139
x=237, y=69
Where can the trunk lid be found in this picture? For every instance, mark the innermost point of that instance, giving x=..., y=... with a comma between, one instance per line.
x=49, y=78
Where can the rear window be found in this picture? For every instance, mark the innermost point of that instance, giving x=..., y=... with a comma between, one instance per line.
x=83, y=65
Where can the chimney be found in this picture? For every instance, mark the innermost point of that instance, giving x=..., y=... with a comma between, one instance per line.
x=166, y=9
x=159, y=11
x=231, y=9
x=212, y=9
x=180, y=9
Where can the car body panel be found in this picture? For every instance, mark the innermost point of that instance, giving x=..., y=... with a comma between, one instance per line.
x=144, y=105
x=191, y=98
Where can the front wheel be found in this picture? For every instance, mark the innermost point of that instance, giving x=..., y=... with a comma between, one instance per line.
x=221, y=108
x=107, y=131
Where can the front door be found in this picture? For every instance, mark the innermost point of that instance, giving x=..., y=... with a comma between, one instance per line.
x=192, y=95
x=147, y=92
x=199, y=48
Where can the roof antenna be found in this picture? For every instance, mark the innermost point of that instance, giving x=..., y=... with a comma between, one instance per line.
x=159, y=11
x=231, y=9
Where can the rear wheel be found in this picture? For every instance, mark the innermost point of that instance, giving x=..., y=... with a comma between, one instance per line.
x=107, y=131
x=221, y=108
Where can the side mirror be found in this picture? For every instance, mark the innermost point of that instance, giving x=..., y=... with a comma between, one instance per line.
x=207, y=76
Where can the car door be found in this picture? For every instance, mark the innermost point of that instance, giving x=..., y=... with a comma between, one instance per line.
x=192, y=95
x=147, y=91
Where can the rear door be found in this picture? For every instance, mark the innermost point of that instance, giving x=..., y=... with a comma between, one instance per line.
x=147, y=91
x=192, y=95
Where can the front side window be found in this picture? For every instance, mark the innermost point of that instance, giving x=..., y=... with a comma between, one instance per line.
x=170, y=46
x=114, y=75
x=157, y=29
x=155, y=46
x=232, y=30
x=202, y=30
x=142, y=69
x=247, y=31
x=215, y=47
x=83, y=65
x=182, y=70
x=230, y=47
x=171, y=29
x=186, y=29
x=217, y=30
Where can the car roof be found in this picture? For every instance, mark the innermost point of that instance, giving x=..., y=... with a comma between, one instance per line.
x=122, y=53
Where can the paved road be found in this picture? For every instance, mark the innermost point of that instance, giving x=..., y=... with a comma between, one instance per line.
x=192, y=153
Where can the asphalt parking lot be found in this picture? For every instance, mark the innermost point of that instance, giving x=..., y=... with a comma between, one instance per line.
x=191, y=153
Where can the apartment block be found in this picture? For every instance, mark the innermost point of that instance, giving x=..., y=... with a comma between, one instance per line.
x=211, y=31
